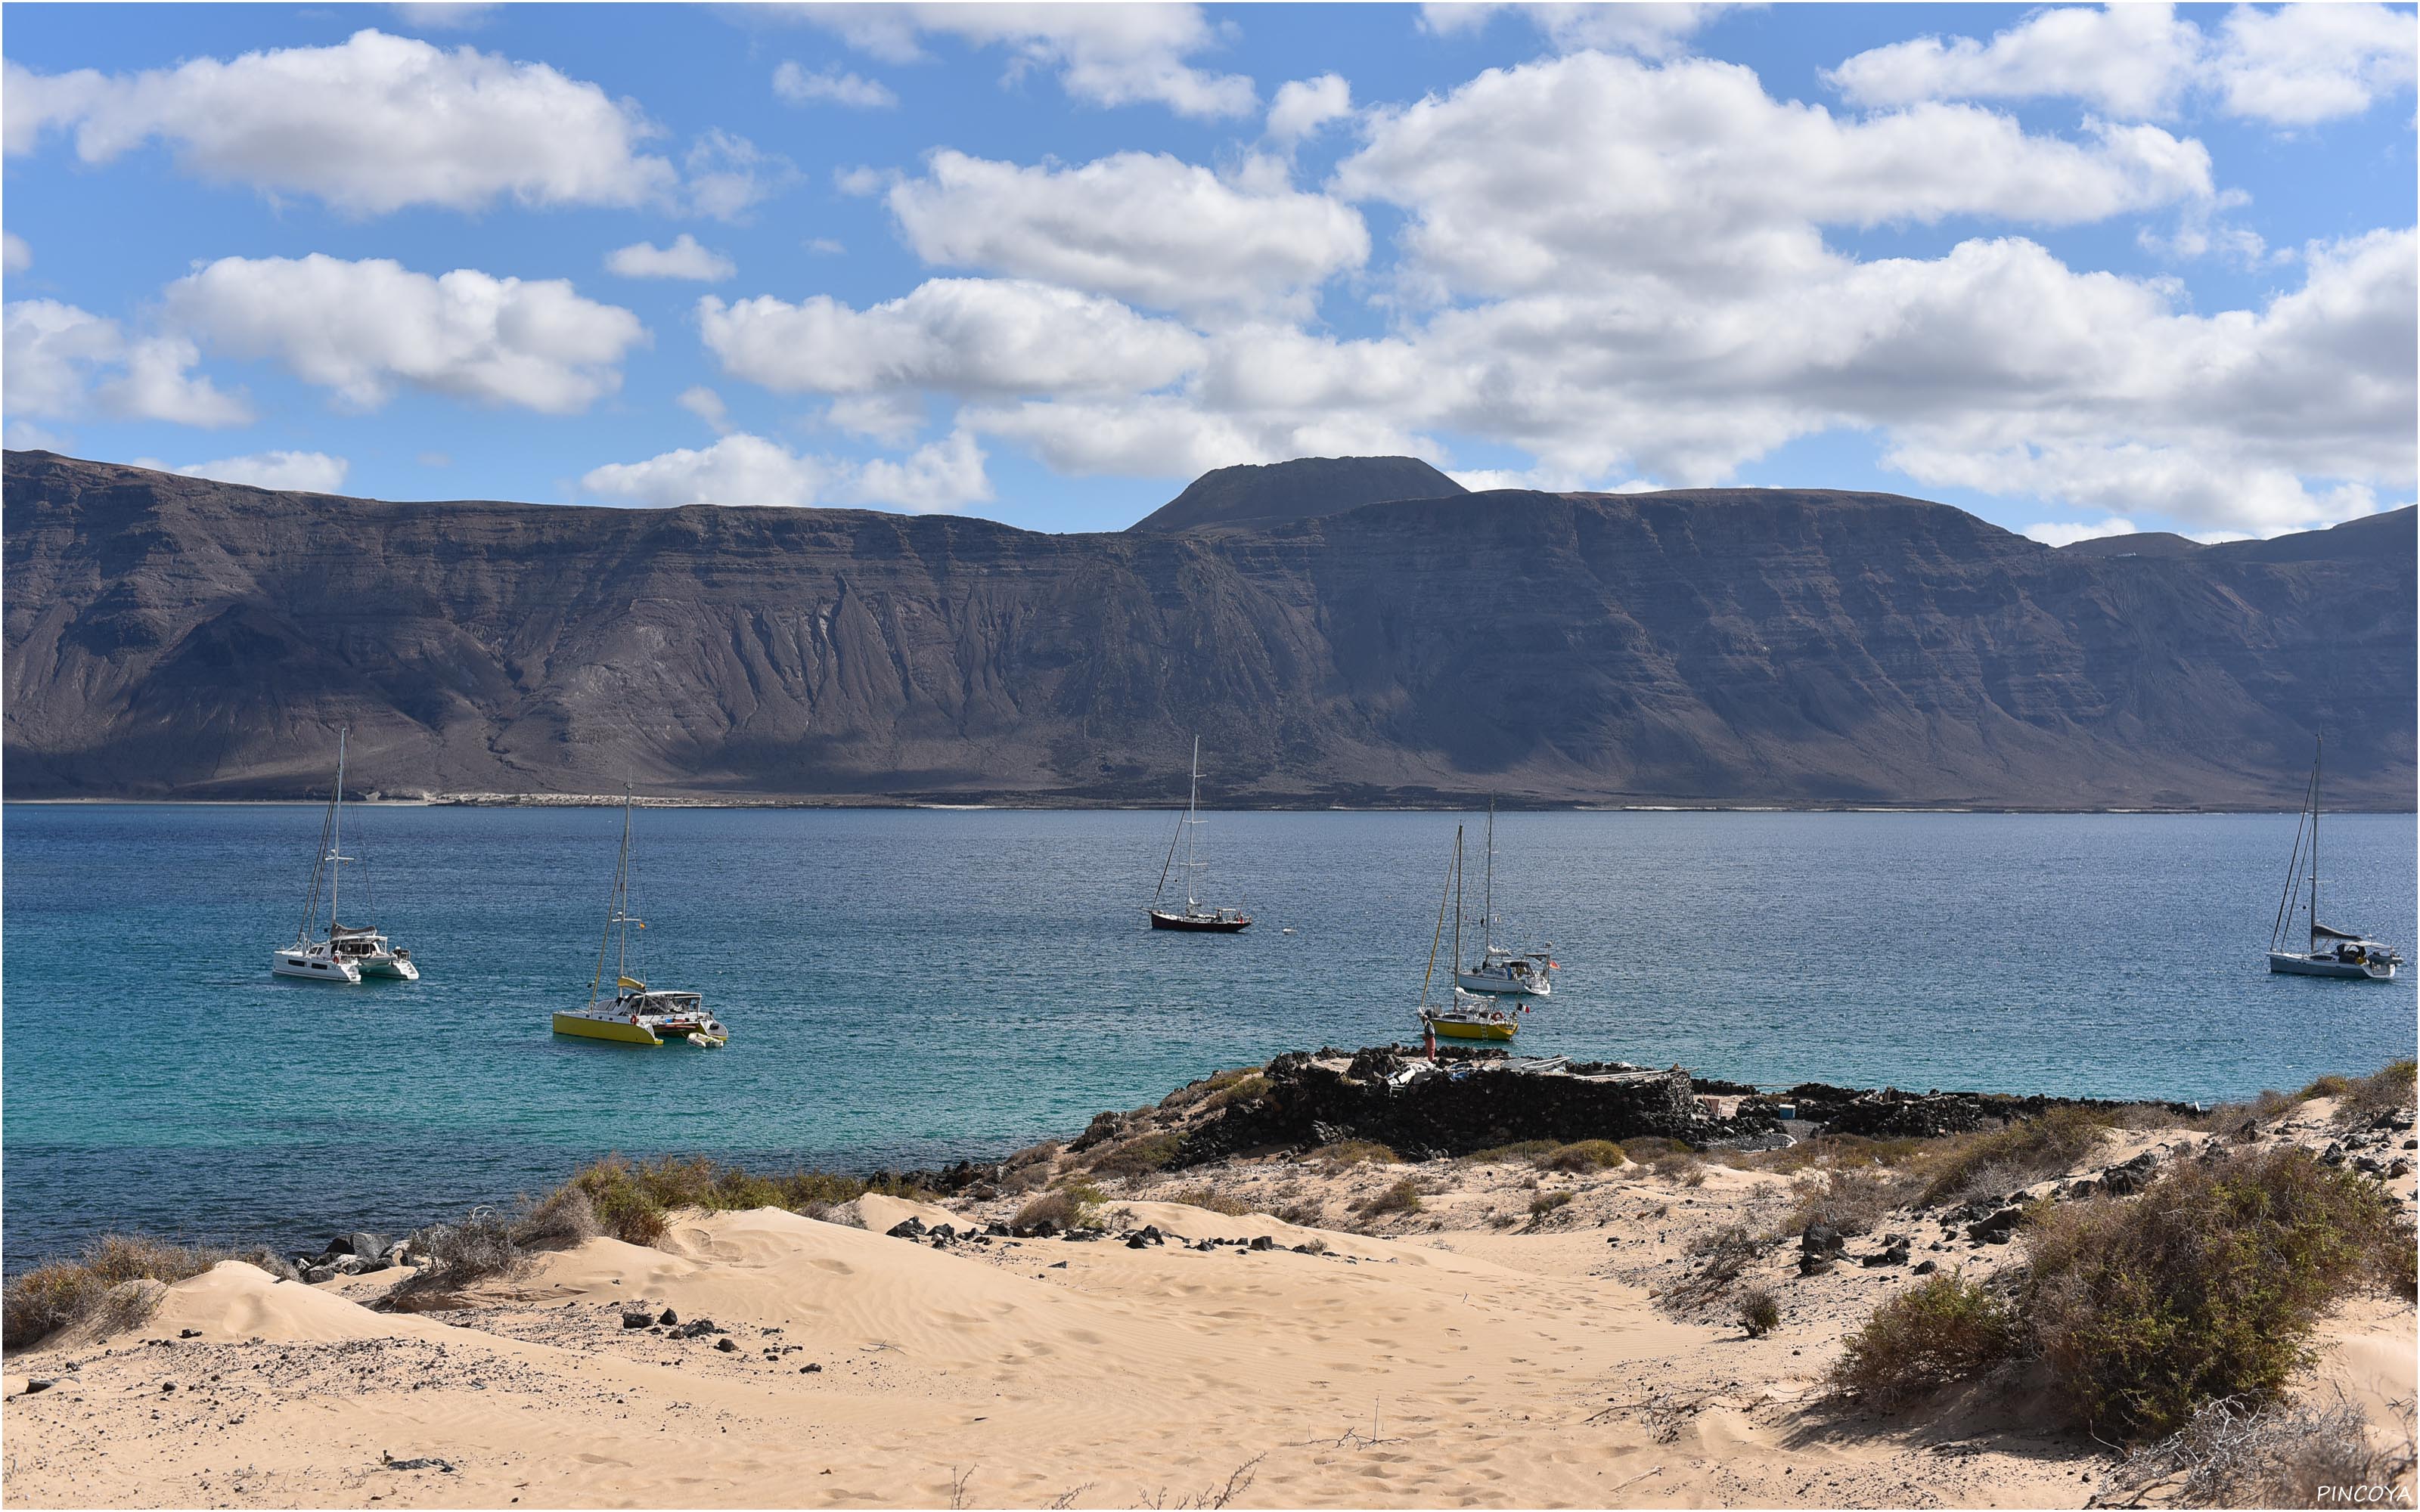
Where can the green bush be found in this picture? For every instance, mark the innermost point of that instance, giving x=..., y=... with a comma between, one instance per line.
x=2207, y=1286
x=1404, y=1197
x=1070, y=1205
x=1529, y=1149
x=1548, y=1202
x=1945, y=1329
x=1583, y=1155
x=1760, y=1311
x=1137, y=1157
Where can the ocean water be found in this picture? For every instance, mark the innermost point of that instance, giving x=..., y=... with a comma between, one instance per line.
x=910, y=986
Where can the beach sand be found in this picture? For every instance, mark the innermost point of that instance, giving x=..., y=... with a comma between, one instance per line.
x=1463, y=1354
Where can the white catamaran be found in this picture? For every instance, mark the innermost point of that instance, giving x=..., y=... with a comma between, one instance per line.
x=1501, y=970
x=1198, y=917
x=2326, y=951
x=344, y=953
x=636, y=1013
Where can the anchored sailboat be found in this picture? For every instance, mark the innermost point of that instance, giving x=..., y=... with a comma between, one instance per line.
x=1468, y=1016
x=2326, y=951
x=344, y=953
x=1501, y=970
x=635, y=1014
x=1198, y=916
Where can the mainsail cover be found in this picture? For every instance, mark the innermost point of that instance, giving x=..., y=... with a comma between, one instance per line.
x=2320, y=932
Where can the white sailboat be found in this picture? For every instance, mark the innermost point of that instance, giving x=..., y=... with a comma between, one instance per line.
x=1467, y=1015
x=636, y=1013
x=2326, y=951
x=344, y=953
x=1198, y=917
x=1500, y=970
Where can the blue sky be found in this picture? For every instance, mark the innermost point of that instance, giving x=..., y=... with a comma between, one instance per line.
x=2077, y=271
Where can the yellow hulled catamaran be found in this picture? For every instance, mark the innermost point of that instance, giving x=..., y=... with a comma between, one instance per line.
x=635, y=1014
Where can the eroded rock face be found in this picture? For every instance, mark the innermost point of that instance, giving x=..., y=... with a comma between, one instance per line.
x=171, y=636
x=1454, y=1107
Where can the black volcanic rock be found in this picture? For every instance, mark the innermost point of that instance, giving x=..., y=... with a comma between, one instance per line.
x=1304, y=488
x=171, y=636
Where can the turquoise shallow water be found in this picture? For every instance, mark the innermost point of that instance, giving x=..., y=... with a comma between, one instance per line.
x=909, y=986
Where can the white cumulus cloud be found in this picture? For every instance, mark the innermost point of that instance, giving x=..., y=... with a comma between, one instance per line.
x=970, y=336
x=1305, y=106
x=2291, y=64
x=743, y=469
x=684, y=258
x=295, y=471
x=361, y=328
x=831, y=87
x=1144, y=227
x=1103, y=54
x=15, y=257
x=1651, y=28
x=370, y=125
x=61, y=363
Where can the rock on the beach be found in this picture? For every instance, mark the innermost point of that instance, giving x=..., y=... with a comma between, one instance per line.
x=668, y=1318
x=635, y=1319
x=1998, y=1228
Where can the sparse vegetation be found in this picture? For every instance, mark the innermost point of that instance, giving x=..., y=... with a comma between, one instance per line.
x=1547, y=1203
x=1357, y=1152
x=2243, y=1120
x=2232, y=1453
x=1723, y=1257
x=1583, y=1155
x=1852, y=1199
x=1201, y=1196
x=2206, y=1286
x=1247, y=1086
x=2018, y=1154
x=631, y=1199
x=1529, y=1149
x=1758, y=1311
x=2372, y=1095
x=563, y=1217
x=1945, y=1329
x=1137, y=1157
x=1070, y=1205
x=40, y=1302
x=1403, y=1196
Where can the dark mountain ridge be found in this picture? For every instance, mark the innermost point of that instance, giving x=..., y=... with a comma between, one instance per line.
x=168, y=635
x=1304, y=488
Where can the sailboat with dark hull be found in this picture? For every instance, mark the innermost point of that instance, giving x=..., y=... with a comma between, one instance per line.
x=2327, y=952
x=1198, y=917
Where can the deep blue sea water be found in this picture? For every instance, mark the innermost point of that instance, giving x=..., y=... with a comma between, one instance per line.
x=909, y=986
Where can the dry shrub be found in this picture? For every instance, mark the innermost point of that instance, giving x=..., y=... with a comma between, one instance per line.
x=1853, y=1200
x=2206, y=1286
x=40, y=1302
x=1723, y=1257
x=1548, y=1202
x=1247, y=1086
x=1404, y=1197
x=631, y=1200
x=2234, y=1454
x=1201, y=1196
x=1137, y=1157
x=562, y=1218
x=1945, y=1329
x=1684, y=1168
x=1583, y=1155
x=1359, y=1152
x=1304, y=1214
x=1758, y=1311
x=2243, y=1120
x=1527, y=1150
x=2383, y=1093
x=2017, y=1155
x=1073, y=1205
x=1842, y=1149
x=455, y=1255
x=1034, y=1155
x=1649, y=1148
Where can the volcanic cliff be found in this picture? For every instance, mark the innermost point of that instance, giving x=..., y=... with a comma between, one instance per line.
x=171, y=636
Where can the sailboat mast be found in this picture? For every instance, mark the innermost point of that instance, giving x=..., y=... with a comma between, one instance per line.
x=2318, y=753
x=336, y=840
x=622, y=885
x=1487, y=906
x=1192, y=810
x=1457, y=905
x=1451, y=870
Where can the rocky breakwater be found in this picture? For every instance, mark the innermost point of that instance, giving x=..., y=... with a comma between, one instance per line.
x=1456, y=1104
x=1892, y=1114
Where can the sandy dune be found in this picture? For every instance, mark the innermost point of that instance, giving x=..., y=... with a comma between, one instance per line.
x=1476, y=1362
